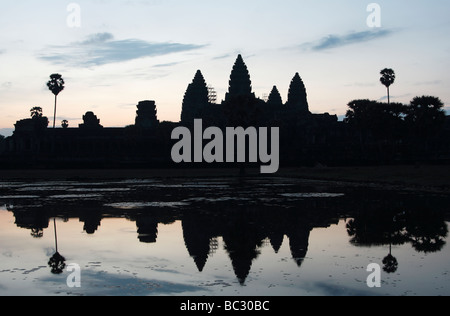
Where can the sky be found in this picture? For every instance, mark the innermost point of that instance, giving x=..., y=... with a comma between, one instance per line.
x=115, y=53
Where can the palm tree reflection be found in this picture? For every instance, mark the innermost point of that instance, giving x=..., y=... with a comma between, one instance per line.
x=57, y=263
x=390, y=263
x=426, y=231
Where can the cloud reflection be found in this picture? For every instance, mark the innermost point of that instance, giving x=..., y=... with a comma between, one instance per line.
x=117, y=285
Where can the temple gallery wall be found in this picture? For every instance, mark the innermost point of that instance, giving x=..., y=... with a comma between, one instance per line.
x=306, y=139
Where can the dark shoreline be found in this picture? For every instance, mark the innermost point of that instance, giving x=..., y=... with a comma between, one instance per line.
x=420, y=178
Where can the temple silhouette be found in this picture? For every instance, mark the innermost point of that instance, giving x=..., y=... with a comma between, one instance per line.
x=307, y=139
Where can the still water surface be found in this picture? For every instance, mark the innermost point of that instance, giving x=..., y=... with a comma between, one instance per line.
x=223, y=236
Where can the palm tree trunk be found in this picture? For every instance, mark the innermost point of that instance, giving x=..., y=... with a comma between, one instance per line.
x=54, y=116
x=56, y=236
x=389, y=96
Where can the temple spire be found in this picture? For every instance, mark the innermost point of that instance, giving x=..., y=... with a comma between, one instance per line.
x=297, y=98
x=275, y=97
x=240, y=83
x=196, y=99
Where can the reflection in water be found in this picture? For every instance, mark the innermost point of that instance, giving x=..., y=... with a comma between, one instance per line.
x=424, y=228
x=57, y=263
x=246, y=215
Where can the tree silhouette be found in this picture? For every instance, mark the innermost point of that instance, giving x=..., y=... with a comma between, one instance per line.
x=425, y=115
x=57, y=263
x=39, y=122
x=37, y=232
x=381, y=120
x=65, y=124
x=55, y=85
x=390, y=263
x=36, y=112
x=427, y=231
x=387, y=79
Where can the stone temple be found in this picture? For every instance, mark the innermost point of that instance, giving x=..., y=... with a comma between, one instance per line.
x=305, y=137
x=241, y=102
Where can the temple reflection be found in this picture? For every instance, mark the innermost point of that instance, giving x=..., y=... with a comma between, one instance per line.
x=246, y=228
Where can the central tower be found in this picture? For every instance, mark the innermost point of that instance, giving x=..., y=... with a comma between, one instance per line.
x=240, y=83
x=297, y=97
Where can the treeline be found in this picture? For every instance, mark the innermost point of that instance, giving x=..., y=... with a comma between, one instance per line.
x=423, y=118
x=415, y=130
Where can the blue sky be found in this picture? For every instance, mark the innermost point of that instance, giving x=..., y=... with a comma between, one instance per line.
x=126, y=51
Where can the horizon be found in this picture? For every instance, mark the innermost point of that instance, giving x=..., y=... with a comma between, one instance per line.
x=114, y=54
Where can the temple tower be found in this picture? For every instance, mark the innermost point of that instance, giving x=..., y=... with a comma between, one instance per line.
x=240, y=83
x=275, y=97
x=196, y=99
x=90, y=122
x=146, y=115
x=297, y=97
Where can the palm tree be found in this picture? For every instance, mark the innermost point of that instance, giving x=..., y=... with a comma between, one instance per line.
x=36, y=112
x=57, y=263
x=387, y=79
x=390, y=263
x=55, y=85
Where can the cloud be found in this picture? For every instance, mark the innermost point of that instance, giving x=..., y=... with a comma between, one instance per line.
x=335, y=41
x=429, y=83
x=393, y=97
x=323, y=288
x=6, y=85
x=222, y=57
x=110, y=284
x=361, y=84
x=98, y=38
x=101, y=49
x=166, y=65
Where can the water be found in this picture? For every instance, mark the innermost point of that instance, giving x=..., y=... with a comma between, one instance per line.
x=221, y=236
